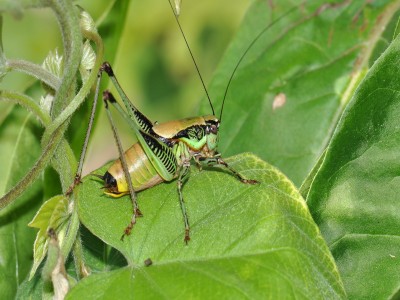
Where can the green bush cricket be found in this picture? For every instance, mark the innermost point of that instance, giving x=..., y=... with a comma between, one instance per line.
x=164, y=151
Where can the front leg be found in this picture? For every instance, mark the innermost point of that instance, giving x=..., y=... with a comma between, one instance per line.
x=182, y=175
x=217, y=160
x=197, y=160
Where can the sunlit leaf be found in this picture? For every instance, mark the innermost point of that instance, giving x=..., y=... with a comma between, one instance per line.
x=260, y=236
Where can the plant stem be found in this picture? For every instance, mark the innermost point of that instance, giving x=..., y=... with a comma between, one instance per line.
x=26, y=102
x=72, y=231
x=35, y=71
x=54, y=133
x=80, y=267
x=72, y=42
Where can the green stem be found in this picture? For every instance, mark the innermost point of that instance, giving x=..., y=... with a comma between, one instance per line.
x=80, y=267
x=64, y=162
x=54, y=133
x=35, y=171
x=67, y=18
x=72, y=231
x=84, y=91
x=35, y=71
x=28, y=103
x=72, y=43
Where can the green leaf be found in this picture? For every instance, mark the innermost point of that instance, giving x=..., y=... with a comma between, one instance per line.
x=306, y=185
x=19, y=146
x=98, y=257
x=56, y=283
x=31, y=289
x=52, y=214
x=354, y=197
x=312, y=58
x=254, y=240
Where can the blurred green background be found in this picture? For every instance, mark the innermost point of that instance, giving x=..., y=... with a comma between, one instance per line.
x=152, y=64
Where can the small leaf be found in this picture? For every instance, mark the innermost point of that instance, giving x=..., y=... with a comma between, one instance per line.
x=254, y=240
x=98, y=256
x=54, y=63
x=54, y=270
x=52, y=214
x=86, y=22
x=178, y=7
x=46, y=101
x=88, y=60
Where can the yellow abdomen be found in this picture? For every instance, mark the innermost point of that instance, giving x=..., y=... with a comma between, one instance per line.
x=143, y=174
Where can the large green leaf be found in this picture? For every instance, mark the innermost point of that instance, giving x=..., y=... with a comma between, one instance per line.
x=354, y=197
x=254, y=240
x=312, y=58
x=19, y=146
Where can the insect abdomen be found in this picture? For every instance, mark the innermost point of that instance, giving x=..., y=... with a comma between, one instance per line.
x=143, y=174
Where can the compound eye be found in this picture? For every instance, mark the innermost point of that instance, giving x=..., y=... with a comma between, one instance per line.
x=214, y=129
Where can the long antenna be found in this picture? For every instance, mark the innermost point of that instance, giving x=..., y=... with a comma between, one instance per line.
x=248, y=49
x=191, y=54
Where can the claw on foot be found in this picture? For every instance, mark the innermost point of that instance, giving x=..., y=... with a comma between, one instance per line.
x=187, y=236
x=77, y=180
x=249, y=181
x=129, y=228
x=127, y=231
x=138, y=213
